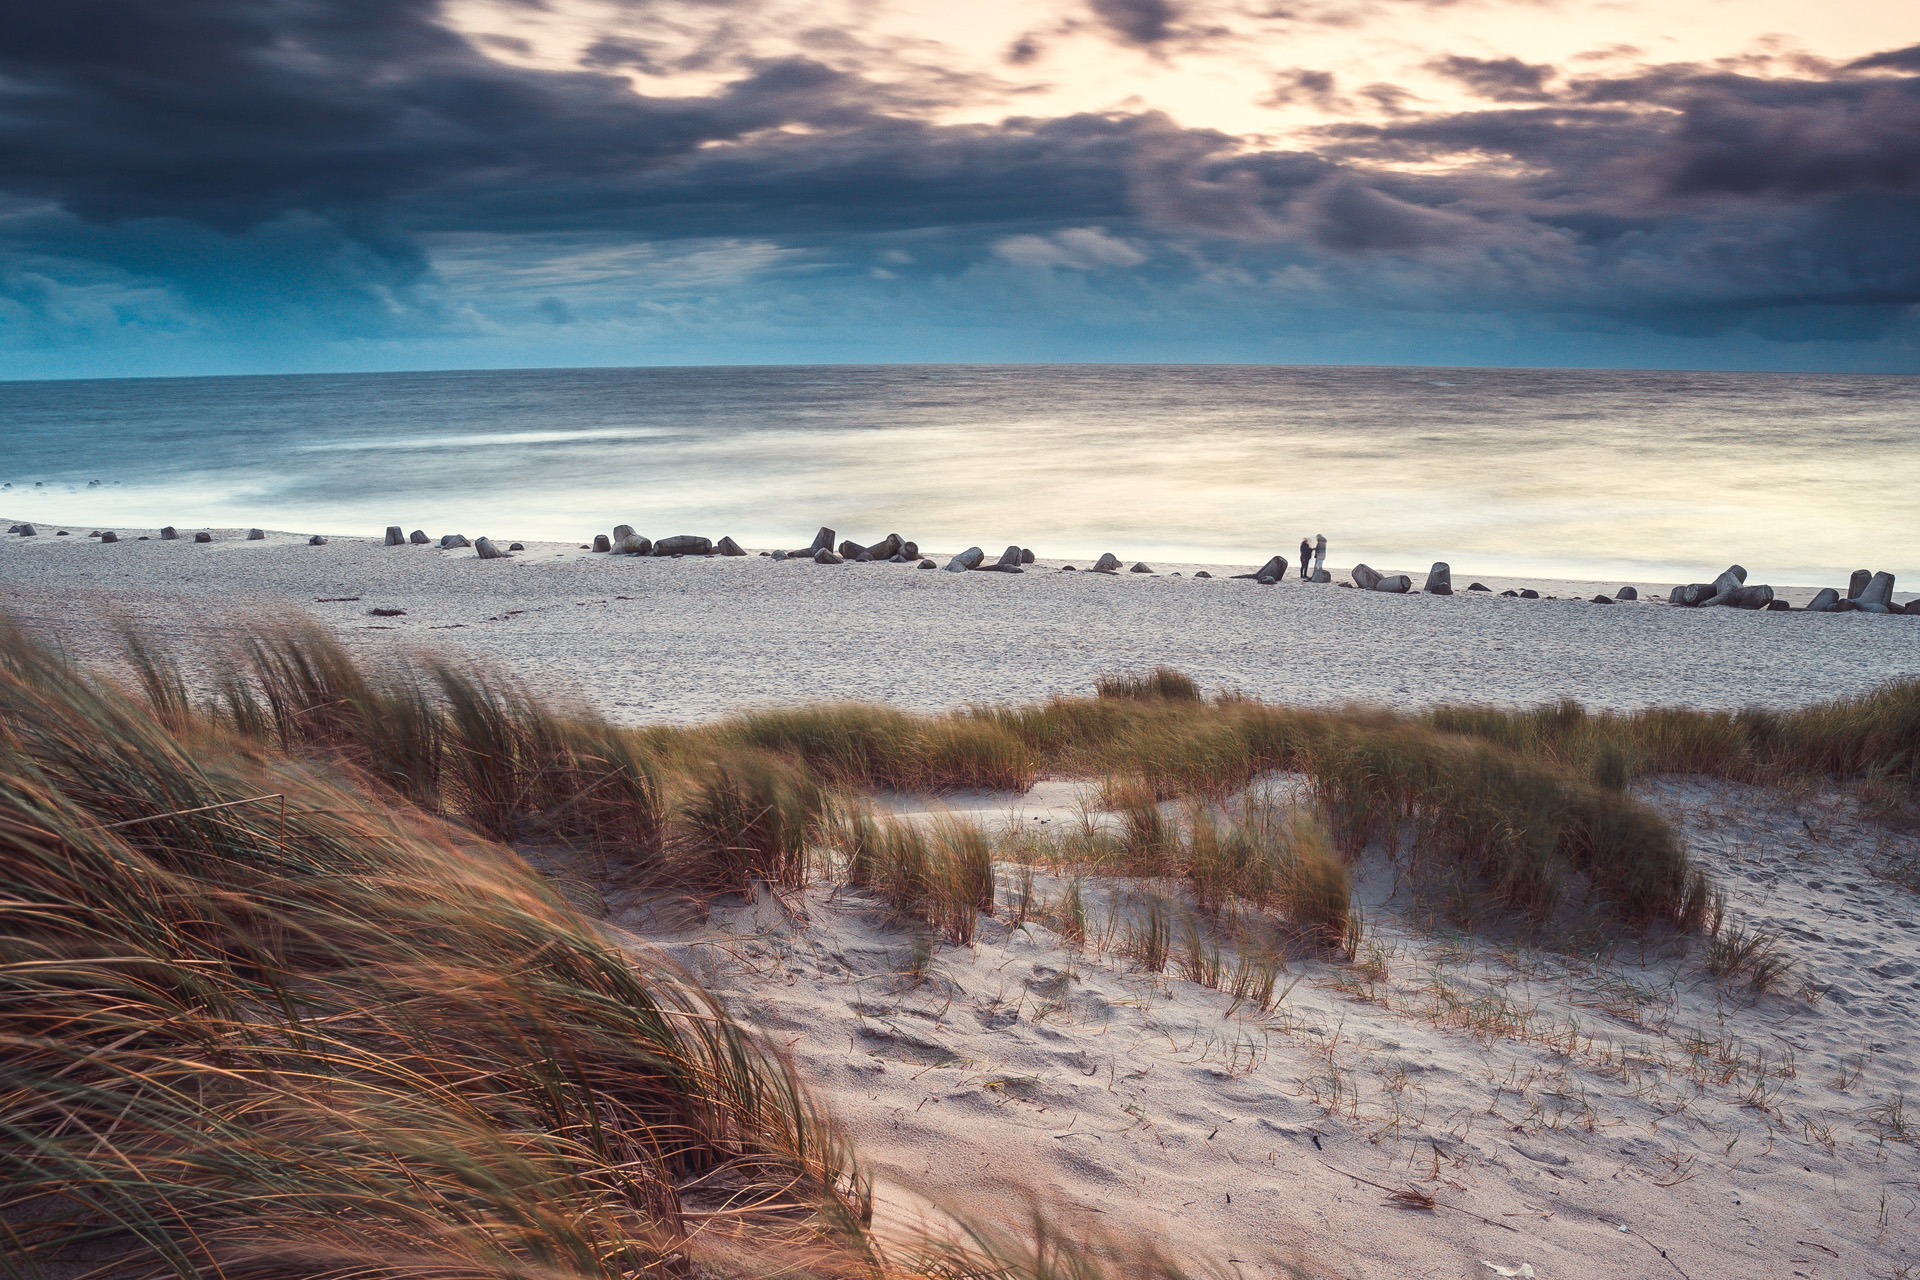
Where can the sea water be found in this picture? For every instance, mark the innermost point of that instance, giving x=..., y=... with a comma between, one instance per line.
x=1553, y=473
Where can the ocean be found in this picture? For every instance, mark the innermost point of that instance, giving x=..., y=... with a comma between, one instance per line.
x=1552, y=473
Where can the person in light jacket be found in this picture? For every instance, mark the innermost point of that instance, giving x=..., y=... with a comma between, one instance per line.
x=1319, y=553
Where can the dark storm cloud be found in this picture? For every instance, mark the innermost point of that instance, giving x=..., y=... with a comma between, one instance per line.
x=324, y=142
x=1142, y=22
x=1501, y=79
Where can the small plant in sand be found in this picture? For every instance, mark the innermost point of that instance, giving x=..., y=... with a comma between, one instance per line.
x=1162, y=684
x=1149, y=938
x=748, y=823
x=941, y=875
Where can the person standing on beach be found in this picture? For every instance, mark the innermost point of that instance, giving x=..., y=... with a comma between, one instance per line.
x=1306, y=554
x=1319, y=553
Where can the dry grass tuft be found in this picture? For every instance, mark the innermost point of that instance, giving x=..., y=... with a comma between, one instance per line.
x=1162, y=684
x=258, y=1041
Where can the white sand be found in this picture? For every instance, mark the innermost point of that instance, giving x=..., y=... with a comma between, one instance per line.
x=647, y=640
x=1564, y=1099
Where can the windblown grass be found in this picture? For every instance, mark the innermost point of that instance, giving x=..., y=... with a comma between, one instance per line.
x=325, y=1039
x=940, y=874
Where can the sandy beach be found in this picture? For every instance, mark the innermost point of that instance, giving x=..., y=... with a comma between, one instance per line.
x=646, y=640
x=1444, y=1102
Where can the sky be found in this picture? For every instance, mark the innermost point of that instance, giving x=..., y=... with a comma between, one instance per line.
x=259, y=186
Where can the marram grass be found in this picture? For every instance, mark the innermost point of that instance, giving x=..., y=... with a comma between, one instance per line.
x=325, y=1038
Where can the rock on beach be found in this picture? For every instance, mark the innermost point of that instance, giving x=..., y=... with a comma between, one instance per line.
x=256, y=535
x=636, y=544
x=728, y=547
x=601, y=542
x=1366, y=577
x=419, y=538
x=395, y=537
x=968, y=559
x=1107, y=563
x=683, y=544
x=1440, y=579
x=1877, y=595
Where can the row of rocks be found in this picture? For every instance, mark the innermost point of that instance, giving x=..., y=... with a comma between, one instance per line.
x=483, y=546
x=1867, y=592
x=625, y=542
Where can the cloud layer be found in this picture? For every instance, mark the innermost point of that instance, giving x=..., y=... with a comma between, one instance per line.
x=181, y=172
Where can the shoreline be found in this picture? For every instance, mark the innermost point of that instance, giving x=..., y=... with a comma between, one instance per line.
x=648, y=639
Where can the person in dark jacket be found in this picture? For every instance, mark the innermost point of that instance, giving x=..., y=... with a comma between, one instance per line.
x=1306, y=554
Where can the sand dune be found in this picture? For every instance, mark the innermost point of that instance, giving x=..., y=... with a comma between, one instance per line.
x=1578, y=1112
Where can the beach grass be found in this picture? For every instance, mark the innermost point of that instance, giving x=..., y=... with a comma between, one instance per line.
x=265, y=1018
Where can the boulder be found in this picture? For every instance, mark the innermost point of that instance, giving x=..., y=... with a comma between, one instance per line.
x=1067, y=568
x=621, y=532
x=1479, y=586
x=452, y=541
x=825, y=556
x=1755, y=597
x=484, y=548
x=778, y=555
x=927, y=564
x=1690, y=594
x=419, y=538
x=1913, y=608
x=1845, y=606
x=1203, y=574
x=1365, y=577
x=13, y=528
x=601, y=542
x=1878, y=595
x=62, y=534
x=1439, y=579
x=1823, y=601
x=316, y=541
x=865, y=557
x=1602, y=600
x=849, y=549
x=1026, y=555
x=1140, y=566
x=203, y=536
x=1009, y=561
x=911, y=550
x=728, y=547
x=1528, y=593
x=1858, y=583
x=968, y=559
x=1734, y=577
x=683, y=544
x=1272, y=571
x=256, y=535
x=1322, y=575
x=27, y=531
x=516, y=546
x=1397, y=585
x=822, y=541
x=1107, y=563
x=887, y=548
x=1779, y=606
x=169, y=534
x=635, y=544
x=1511, y=592
x=1626, y=593
x=108, y=535
x=394, y=536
